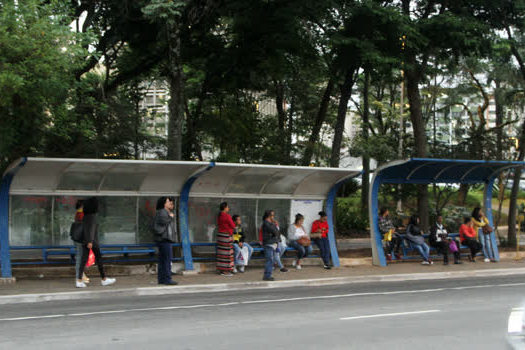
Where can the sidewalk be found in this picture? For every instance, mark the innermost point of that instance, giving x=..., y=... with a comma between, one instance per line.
x=36, y=290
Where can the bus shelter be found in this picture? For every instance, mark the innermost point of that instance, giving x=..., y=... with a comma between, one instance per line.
x=38, y=195
x=433, y=171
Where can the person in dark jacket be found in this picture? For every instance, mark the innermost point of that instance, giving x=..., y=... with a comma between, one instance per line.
x=415, y=235
x=164, y=230
x=440, y=240
x=90, y=241
x=270, y=237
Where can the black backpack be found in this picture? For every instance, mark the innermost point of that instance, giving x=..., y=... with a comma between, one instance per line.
x=76, y=232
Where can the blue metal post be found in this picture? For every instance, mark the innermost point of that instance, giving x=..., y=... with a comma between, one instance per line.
x=330, y=201
x=378, y=254
x=184, y=224
x=488, y=212
x=5, y=256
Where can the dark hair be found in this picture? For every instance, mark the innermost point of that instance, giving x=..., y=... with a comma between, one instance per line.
x=298, y=217
x=466, y=219
x=475, y=213
x=267, y=214
x=223, y=206
x=235, y=217
x=91, y=205
x=162, y=200
x=383, y=210
x=79, y=204
x=413, y=219
x=322, y=214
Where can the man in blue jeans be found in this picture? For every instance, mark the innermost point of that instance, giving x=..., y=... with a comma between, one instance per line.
x=270, y=236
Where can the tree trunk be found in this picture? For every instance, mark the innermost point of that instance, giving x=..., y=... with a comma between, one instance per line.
x=176, y=103
x=513, y=205
x=420, y=136
x=346, y=93
x=365, y=185
x=318, y=123
x=281, y=118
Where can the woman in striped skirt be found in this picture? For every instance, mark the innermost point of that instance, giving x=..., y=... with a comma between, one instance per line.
x=225, y=241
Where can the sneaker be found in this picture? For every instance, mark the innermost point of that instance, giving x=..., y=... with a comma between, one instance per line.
x=85, y=279
x=298, y=267
x=284, y=269
x=234, y=270
x=389, y=257
x=457, y=262
x=326, y=267
x=108, y=281
x=268, y=279
x=487, y=260
x=294, y=263
x=170, y=283
x=431, y=262
x=226, y=274
x=425, y=263
x=80, y=284
x=493, y=260
x=241, y=269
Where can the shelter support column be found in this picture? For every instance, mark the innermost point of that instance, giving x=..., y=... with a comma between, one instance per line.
x=487, y=199
x=5, y=256
x=184, y=217
x=330, y=202
x=378, y=255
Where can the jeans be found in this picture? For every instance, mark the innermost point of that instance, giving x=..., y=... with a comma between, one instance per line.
x=324, y=248
x=98, y=260
x=78, y=257
x=302, y=252
x=269, y=254
x=237, y=251
x=281, y=249
x=423, y=250
x=164, y=265
x=487, y=246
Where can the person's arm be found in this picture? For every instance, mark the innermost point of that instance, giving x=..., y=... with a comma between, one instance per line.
x=90, y=228
x=479, y=223
x=291, y=232
x=229, y=222
x=316, y=227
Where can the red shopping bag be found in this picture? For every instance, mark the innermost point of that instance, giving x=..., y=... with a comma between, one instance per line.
x=91, y=258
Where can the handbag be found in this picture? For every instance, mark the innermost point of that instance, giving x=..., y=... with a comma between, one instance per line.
x=487, y=229
x=76, y=232
x=304, y=241
x=452, y=246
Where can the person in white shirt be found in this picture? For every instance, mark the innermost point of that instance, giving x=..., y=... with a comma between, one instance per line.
x=440, y=240
x=299, y=239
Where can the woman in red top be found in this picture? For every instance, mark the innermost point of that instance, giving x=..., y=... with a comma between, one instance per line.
x=467, y=235
x=319, y=234
x=225, y=226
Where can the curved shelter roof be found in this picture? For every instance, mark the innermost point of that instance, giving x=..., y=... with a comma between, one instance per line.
x=55, y=176
x=429, y=171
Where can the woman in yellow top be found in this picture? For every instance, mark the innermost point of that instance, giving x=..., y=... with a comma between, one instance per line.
x=479, y=220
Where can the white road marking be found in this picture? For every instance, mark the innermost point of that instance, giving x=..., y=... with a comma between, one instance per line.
x=263, y=301
x=390, y=315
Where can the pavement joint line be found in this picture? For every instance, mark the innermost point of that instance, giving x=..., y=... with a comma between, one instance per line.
x=389, y=315
x=235, y=286
x=178, y=307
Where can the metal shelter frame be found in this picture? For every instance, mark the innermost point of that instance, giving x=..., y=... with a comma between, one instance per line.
x=107, y=177
x=433, y=171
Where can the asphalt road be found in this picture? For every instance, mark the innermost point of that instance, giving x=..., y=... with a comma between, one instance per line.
x=443, y=314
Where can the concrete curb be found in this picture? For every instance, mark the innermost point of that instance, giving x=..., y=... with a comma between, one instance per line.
x=221, y=287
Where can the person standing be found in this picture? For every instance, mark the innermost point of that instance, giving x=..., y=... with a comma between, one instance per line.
x=270, y=240
x=415, y=236
x=480, y=221
x=164, y=230
x=79, y=216
x=225, y=224
x=242, y=250
x=319, y=233
x=467, y=236
x=90, y=241
x=440, y=240
x=299, y=240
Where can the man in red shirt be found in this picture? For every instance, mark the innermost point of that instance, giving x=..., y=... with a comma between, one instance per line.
x=467, y=236
x=319, y=235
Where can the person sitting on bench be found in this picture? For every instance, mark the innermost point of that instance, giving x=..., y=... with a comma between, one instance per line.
x=389, y=234
x=440, y=240
x=467, y=236
x=415, y=236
